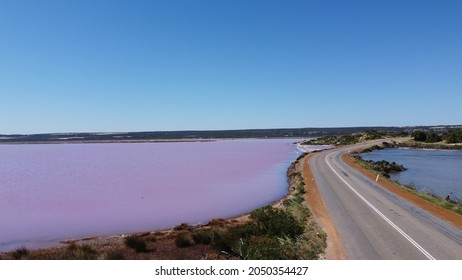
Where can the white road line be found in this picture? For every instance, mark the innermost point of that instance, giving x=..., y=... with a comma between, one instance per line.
x=430, y=257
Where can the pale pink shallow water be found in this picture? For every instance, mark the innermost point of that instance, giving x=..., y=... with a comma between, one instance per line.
x=53, y=192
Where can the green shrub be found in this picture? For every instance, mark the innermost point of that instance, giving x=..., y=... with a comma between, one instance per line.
x=20, y=253
x=275, y=222
x=183, y=239
x=312, y=243
x=301, y=188
x=183, y=226
x=202, y=237
x=432, y=137
x=226, y=239
x=136, y=243
x=453, y=136
x=289, y=202
x=300, y=213
x=270, y=248
x=81, y=252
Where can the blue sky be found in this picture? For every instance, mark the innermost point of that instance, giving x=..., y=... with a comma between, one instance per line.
x=82, y=66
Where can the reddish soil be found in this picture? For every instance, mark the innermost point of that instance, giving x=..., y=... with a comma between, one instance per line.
x=160, y=246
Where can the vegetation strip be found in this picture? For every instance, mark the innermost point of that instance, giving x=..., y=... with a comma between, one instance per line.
x=382, y=166
x=430, y=139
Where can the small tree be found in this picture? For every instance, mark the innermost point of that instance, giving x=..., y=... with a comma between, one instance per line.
x=432, y=137
x=419, y=135
x=454, y=136
x=275, y=222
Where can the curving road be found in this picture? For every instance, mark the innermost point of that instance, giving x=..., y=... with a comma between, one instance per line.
x=374, y=223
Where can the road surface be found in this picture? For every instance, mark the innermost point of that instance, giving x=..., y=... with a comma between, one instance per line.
x=374, y=223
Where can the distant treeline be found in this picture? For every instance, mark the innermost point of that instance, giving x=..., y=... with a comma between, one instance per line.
x=450, y=137
x=356, y=137
x=209, y=134
x=165, y=135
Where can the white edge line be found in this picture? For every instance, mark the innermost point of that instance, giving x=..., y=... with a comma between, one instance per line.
x=430, y=257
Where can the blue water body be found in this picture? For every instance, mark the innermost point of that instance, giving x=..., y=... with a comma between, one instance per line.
x=434, y=171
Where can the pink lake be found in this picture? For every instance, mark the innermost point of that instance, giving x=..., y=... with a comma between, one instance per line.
x=54, y=192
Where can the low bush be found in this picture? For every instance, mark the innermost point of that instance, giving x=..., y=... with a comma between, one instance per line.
x=269, y=248
x=228, y=238
x=183, y=226
x=202, y=237
x=20, y=253
x=382, y=166
x=136, y=243
x=81, y=252
x=275, y=222
x=184, y=239
x=217, y=222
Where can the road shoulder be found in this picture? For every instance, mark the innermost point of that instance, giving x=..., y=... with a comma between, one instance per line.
x=335, y=249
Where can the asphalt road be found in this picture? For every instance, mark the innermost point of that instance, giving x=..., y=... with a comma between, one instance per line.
x=374, y=223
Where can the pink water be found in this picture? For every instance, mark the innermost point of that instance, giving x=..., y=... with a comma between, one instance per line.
x=53, y=192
